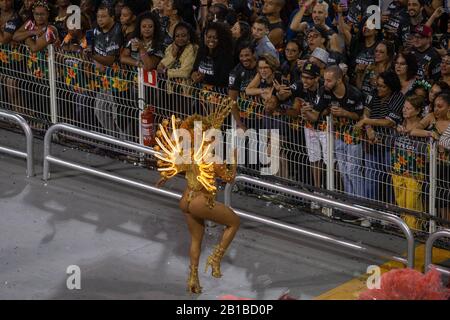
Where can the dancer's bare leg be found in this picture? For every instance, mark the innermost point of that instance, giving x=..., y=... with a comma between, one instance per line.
x=196, y=229
x=219, y=214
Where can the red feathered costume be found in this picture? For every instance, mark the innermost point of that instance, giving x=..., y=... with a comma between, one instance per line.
x=408, y=284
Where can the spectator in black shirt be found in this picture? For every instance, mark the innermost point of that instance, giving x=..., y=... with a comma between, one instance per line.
x=415, y=18
x=405, y=67
x=361, y=46
x=366, y=80
x=428, y=58
x=345, y=103
x=392, y=19
x=105, y=52
x=145, y=49
x=214, y=59
x=241, y=76
x=9, y=21
x=382, y=115
x=107, y=38
x=271, y=10
x=128, y=21
x=26, y=11
x=306, y=97
x=290, y=65
x=61, y=18
x=88, y=8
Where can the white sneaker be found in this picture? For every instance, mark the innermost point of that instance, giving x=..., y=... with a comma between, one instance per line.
x=315, y=206
x=366, y=223
x=328, y=212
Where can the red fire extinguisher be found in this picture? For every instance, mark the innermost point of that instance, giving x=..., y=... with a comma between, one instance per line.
x=148, y=127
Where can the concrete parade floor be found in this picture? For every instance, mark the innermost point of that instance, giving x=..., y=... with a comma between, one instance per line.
x=131, y=244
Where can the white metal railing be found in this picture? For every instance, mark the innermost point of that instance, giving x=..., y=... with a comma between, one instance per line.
x=350, y=209
x=429, y=250
x=28, y=155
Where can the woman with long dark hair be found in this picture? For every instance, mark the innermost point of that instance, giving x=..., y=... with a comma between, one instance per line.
x=214, y=63
x=405, y=66
x=145, y=49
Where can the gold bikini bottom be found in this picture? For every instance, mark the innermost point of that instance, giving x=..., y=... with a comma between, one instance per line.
x=210, y=198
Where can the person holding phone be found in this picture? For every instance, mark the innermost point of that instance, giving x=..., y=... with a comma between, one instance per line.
x=305, y=93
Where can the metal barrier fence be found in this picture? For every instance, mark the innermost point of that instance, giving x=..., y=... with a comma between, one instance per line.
x=48, y=158
x=429, y=251
x=399, y=173
x=354, y=210
x=28, y=155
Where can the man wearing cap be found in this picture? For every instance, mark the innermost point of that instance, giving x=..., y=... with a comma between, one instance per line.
x=428, y=59
x=305, y=103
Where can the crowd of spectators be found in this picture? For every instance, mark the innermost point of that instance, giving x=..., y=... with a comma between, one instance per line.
x=304, y=60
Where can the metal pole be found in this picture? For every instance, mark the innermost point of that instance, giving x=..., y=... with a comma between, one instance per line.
x=89, y=134
x=52, y=83
x=429, y=248
x=432, y=195
x=141, y=99
x=354, y=210
x=113, y=177
x=330, y=145
x=321, y=237
x=29, y=155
